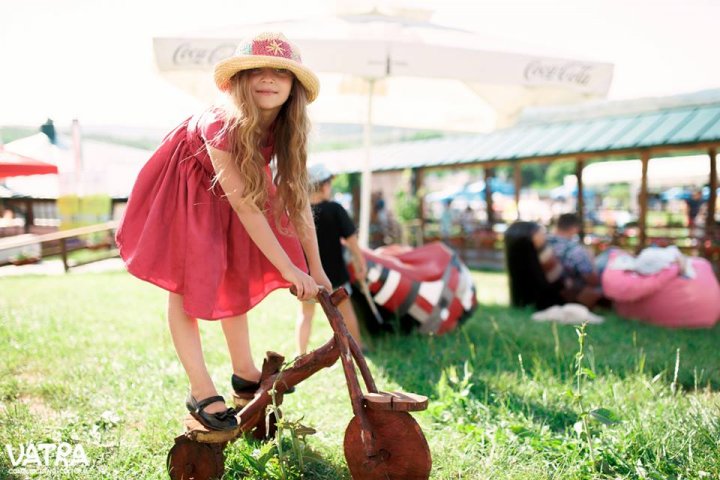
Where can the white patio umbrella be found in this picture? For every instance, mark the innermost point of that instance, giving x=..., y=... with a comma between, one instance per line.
x=399, y=71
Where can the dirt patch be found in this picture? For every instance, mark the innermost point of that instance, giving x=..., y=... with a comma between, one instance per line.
x=37, y=406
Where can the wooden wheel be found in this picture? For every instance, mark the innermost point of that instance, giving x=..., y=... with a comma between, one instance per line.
x=190, y=460
x=403, y=452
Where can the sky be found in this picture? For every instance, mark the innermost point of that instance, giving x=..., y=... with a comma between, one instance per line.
x=92, y=59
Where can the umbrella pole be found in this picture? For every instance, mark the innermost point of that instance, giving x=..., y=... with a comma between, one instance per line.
x=365, y=182
x=77, y=155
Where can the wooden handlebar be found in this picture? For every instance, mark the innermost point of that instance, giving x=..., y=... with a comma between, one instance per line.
x=336, y=297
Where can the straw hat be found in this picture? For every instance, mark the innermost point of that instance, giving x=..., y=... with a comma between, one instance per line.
x=269, y=49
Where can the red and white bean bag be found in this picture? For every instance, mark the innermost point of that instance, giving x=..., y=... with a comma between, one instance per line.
x=428, y=284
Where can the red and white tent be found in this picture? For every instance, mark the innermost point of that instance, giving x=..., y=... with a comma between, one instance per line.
x=14, y=165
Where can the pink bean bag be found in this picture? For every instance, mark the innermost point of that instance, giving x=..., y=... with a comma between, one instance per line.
x=666, y=298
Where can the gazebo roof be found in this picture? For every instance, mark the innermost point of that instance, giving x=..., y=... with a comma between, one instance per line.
x=684, y=124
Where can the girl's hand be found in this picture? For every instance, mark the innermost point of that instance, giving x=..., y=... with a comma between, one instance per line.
x=305, y=286
x=321, y=279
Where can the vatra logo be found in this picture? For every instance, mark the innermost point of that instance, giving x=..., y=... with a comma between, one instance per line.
x=48, y=455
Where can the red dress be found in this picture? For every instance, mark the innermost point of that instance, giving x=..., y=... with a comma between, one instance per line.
x=182, y=235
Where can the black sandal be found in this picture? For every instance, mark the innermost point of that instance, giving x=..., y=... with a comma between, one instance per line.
x=215, y=421
x=245, y=389
x=240, y=385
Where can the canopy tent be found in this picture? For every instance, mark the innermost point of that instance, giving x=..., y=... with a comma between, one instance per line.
x=681, y=193
x=14, y=165
x=661, y=172
x=563, y=192
x=108, y=168
x=398, y=71
x=472, y=191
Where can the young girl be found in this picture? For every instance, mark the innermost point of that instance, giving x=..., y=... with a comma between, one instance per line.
x=210, y=222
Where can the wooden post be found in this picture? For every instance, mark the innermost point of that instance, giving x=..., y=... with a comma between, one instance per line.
x=489, y=174
x=518, y=185
x=29, y=215
x=64, y=254
x=642, y=201
x=354, y=184
x=579, y=165
x=710, y=222
x=418, y=178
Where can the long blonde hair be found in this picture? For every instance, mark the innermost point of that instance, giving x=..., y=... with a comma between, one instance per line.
x=292, y=127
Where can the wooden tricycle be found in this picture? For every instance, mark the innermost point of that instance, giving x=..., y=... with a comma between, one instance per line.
x=382, y=440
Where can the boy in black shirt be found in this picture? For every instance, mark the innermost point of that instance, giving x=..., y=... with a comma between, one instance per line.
x=334, y=227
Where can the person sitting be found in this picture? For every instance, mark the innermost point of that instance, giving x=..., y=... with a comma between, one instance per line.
x=662, y=287
x=582, y=280
x=694, y=203
x=468, y=220
x=534, y=272
x=446, y=221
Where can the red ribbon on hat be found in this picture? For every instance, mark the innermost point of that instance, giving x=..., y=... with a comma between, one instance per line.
x=272, y=47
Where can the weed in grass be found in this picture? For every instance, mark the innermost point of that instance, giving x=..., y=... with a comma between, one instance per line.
x=600, y=414
x=674, y=384
x=296, y=431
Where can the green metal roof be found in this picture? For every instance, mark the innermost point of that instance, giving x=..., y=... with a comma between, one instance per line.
x=678, y=125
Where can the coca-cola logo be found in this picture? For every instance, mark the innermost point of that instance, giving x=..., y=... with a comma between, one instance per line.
x=572, y=72
x=187, y=54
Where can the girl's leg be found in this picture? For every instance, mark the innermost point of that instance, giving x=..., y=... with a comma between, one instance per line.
x=348, y=314
x=186, y=337
x=304, y=326
x=238, y=342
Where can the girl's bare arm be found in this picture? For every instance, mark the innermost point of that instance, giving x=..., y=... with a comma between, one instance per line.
x=256, y=224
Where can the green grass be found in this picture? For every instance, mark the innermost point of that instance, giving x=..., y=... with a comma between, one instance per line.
x=87, y=359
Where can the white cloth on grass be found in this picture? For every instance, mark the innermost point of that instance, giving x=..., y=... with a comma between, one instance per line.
x=570, y=313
